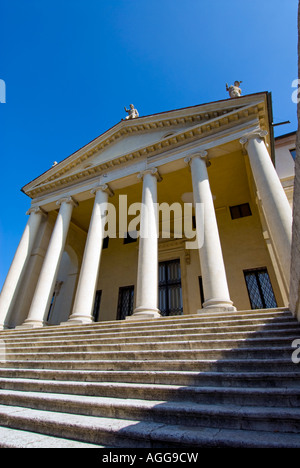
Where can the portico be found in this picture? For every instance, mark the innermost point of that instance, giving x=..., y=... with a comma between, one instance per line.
x=218, y=156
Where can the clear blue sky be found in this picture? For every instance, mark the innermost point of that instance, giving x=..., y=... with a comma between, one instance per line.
x=70, y=67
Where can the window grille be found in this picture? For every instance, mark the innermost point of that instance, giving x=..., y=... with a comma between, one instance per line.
x=260, y=289
x=125, y=302
x=170, y=292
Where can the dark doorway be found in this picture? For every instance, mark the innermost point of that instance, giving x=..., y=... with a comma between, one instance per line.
x=125, y=302
x=170, y=292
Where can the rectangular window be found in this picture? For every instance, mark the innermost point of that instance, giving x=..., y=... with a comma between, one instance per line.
x=97, y=302
x=260, y=289
x=293, y=153
x=169, y=290
x=240, y=211
x=125, y=302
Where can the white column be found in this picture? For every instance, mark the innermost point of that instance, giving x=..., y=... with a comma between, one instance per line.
x=19, y=263
x=86, y=289
x=147, y=279
x=274, y=201
x=216, y=293
x=45, y=286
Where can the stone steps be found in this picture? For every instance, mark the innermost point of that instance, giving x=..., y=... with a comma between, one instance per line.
x=281, y=419
x=155, y=354
x=264, y=318
x=183, y=378
x=167, y=336
x=16, y=438
x=164, y=338
x=144, y=434
x=183, y=342
x=209, y=380
x=250, y=396
x=221, y=365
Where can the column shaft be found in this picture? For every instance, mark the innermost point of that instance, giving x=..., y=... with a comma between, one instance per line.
x=214, y=279
x=19, y=263
x=147, y=279
x=274, y=201
x=46, y=282
x=86, y=289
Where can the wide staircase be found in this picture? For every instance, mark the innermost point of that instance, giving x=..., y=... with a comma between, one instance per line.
x=208, y=380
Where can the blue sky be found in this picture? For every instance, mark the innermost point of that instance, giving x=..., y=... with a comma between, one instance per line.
x=70, y=67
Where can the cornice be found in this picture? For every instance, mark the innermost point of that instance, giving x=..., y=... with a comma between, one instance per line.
x=200, y=124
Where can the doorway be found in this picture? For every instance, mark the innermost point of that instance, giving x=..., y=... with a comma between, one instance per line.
x=170, y=290
x=125, y=302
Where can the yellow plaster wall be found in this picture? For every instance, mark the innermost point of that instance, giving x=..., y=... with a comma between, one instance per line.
x=118, y=268
x=242, y=240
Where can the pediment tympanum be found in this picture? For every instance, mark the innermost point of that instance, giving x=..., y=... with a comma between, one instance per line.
x=150, y=135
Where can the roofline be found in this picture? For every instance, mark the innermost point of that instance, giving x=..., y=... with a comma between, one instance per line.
x=205, y=104
x=286, y=135
x=266, y=93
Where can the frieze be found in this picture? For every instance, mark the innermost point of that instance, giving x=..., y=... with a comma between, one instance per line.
x=217, y=123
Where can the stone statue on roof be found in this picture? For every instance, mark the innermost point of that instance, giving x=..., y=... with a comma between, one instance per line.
x=234, y=90
x=132, y=112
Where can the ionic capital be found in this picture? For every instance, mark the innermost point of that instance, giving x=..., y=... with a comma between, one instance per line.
x=104, y=188
x=199, y=154
x=36, y=210
x=69, y=200
x=250, y=136
x=152, y=171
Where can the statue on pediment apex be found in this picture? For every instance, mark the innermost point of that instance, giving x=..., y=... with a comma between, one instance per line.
x=234, y=90
x=132, y=112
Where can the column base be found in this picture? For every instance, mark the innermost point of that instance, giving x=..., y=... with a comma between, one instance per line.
x=78, y=320
x=36, y=324
x=142, y=313
x=217, y=305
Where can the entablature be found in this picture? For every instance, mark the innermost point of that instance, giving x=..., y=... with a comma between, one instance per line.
x=207, y=125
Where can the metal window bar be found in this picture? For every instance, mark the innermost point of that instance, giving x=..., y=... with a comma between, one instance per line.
x=170, y=291
x=260, y=289
x=126, y=302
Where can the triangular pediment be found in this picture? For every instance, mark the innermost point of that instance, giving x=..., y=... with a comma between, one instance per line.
x=147, y=136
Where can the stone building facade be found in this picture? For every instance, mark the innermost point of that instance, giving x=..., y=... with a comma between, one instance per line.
x=197, y=217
